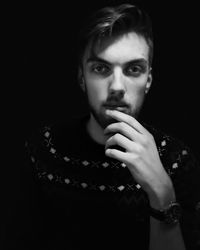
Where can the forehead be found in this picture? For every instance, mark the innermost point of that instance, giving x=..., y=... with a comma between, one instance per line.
x=122, y=49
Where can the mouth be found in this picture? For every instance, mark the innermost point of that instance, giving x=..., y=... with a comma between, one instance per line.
x=121, y=108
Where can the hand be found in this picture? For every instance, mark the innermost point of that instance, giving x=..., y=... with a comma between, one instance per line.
x=141, y=157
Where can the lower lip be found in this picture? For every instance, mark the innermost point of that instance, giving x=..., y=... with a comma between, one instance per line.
x=117, y=108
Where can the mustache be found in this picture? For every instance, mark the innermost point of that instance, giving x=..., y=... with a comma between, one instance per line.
x=115, y=100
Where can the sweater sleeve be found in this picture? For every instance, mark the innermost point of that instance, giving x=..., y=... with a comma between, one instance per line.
x=21, y=221
x=187, y=187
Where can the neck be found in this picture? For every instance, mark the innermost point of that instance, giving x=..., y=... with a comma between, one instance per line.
x=96, y=131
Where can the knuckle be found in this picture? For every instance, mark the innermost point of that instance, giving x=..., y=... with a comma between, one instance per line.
x=140, y=149
x=145, y=140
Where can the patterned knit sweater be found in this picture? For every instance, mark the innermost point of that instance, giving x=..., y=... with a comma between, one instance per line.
x=85, y=200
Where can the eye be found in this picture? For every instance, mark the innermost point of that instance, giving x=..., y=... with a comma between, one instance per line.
x=134, y=70
x=101, y=69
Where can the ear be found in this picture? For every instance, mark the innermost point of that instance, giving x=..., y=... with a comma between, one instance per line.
x=81, y=79
x=149, y=81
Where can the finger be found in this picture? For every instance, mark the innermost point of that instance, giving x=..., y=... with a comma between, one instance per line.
x=122, y=117
x=116, y=154
x=124, y=129
x=119, y=140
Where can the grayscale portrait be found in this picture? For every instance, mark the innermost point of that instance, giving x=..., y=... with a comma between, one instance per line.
x=108, y=128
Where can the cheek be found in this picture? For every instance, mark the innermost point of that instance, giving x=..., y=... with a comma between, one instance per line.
x=136, y=93
x=96, y=90
x=137, y=89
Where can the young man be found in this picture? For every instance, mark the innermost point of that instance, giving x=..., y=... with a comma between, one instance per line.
x=109, y=181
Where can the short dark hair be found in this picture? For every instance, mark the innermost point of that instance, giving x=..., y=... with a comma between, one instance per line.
x=114, y=21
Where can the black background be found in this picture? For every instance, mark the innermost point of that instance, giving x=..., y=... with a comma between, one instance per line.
x=48, y=90
x=41, y=84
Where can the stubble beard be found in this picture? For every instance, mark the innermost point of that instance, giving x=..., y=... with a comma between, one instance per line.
x=103, y=120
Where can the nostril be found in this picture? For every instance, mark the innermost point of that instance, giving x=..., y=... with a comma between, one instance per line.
x=117, y=93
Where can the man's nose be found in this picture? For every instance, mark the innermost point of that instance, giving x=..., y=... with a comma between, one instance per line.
x=117, y=84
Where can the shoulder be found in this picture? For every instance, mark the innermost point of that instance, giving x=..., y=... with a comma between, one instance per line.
x=169, y=144
x=177, y=157
x=182, y=166
x=55, y=131
x=44, y=142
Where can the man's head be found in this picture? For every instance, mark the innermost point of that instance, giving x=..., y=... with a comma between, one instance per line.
x=115, y=61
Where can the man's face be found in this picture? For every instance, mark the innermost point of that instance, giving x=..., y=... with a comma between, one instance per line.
x=116, y=74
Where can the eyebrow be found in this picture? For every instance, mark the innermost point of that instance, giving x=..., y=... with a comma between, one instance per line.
x=95, y=58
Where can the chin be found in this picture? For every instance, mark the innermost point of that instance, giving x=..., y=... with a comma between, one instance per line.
x=104, y=121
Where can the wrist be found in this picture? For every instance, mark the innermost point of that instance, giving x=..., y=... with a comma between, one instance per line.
x=169, y=216
x=162, y=203
x=161, y=199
